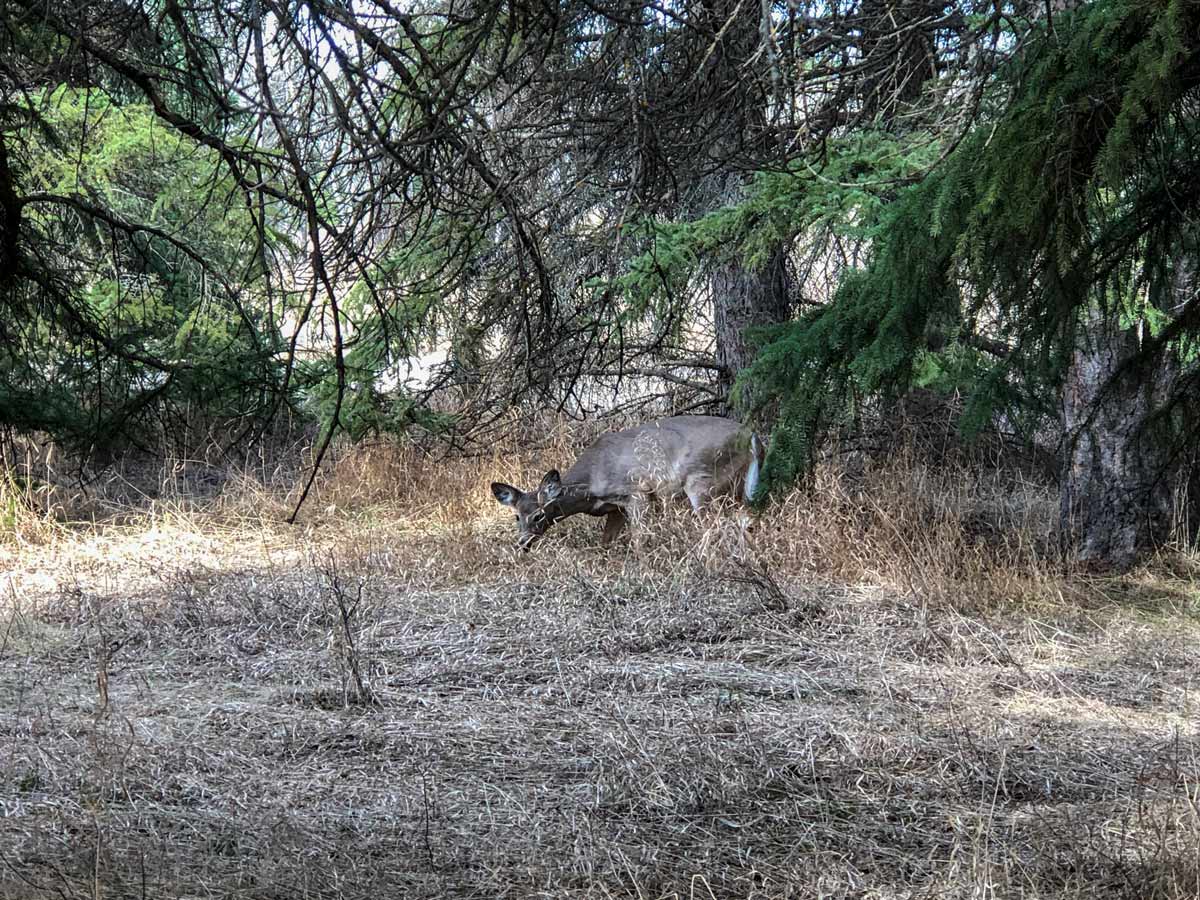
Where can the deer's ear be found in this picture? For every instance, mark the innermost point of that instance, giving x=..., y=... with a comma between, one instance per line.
x=551, y=486
x=505, y=493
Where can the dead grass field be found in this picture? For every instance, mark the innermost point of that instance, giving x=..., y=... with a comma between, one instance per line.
x=877, y=691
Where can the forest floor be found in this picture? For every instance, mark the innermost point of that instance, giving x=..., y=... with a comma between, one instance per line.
x=884, y=692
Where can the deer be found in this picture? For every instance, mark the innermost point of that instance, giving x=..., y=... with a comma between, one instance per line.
x=617, y=475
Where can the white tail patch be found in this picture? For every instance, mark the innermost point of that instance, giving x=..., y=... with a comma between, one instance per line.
x=753, y=469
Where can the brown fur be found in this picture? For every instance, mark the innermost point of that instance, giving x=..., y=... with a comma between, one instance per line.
x=700, y=456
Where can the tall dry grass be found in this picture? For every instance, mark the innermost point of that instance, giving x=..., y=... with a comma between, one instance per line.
x=953, y=533
x=959, y=534
x=950, y=534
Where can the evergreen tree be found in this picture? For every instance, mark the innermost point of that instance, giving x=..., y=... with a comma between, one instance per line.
x=133, y=275
x=1056, y=242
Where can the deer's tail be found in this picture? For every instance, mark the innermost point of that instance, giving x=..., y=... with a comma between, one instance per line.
x=754, y=469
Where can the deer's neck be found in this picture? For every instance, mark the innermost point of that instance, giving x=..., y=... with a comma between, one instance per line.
x=576, y=498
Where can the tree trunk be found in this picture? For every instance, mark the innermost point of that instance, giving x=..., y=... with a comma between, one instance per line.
x=743, y=298
x=1122, y=472
x=1118, y=478
x=1119, y=473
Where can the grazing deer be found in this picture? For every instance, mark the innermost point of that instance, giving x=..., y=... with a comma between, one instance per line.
x=701, y=456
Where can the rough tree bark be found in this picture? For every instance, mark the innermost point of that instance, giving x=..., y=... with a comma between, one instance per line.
x=743, y=299
x=1121, y=471
x=1117, y=489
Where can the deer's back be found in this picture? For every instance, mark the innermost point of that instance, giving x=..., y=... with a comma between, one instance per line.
x=658, y=457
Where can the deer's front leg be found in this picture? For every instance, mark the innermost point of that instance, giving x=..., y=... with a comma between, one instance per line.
x=614, y=524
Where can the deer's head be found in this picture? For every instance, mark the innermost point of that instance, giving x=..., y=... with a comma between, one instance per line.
x=536, y=510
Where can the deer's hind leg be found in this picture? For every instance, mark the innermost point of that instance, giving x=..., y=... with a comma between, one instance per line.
x=614, y=524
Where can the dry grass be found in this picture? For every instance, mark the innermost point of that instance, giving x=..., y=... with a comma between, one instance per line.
x=884, y=689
